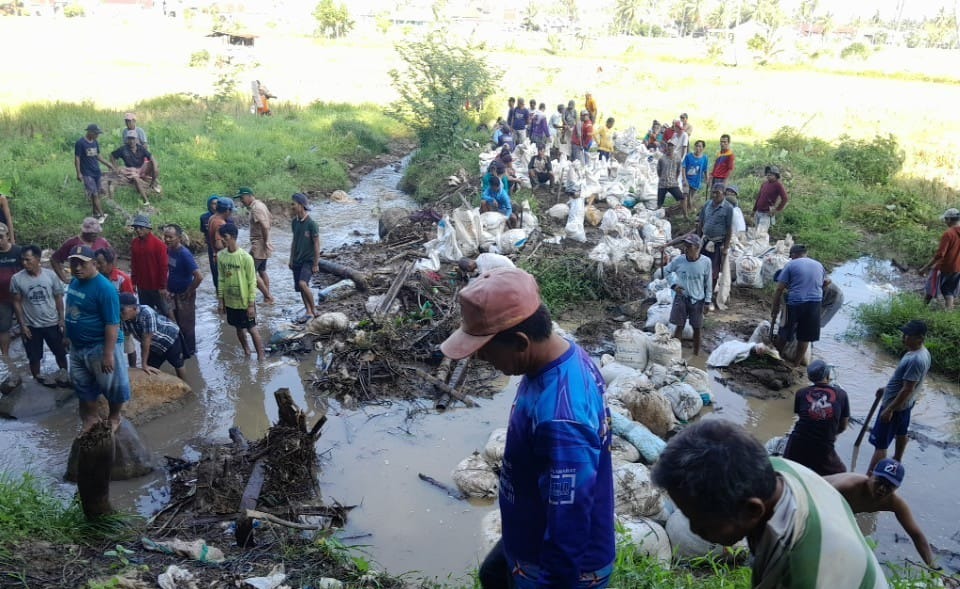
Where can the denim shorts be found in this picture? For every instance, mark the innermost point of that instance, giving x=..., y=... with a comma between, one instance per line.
x=90, y=381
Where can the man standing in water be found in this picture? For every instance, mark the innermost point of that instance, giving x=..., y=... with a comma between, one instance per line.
x=556, y=485
x=693, y=288
x=261, y=247
x=92, y=320
x=304, y=250
x=900, y=394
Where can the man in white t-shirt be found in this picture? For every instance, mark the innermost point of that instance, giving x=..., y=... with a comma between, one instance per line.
x=484, y=263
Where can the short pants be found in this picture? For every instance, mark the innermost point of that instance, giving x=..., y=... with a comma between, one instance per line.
x=260, y=265
x=949, y=283
x=90, y=381
x=173, y=355
x=683, y=310
x=803, y=319
x=93, y=186
x=883, y=433
x=673, y=191
x=34, y=346
x=302, y=273
x=6, y=317
x=238, y=318
x=543, y=177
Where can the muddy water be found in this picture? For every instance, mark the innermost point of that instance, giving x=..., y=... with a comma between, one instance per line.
x=371, y=456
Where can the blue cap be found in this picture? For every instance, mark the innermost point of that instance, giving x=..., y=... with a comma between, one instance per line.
x=224, y=204
x=890, y=470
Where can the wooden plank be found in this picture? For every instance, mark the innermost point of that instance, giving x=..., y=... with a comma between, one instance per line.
x=251, y=493
x=394, y=290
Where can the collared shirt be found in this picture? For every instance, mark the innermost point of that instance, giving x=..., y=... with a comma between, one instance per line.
x=130, y=158
x=696, y=277
x=259, y=218
x=163, y=332
x=716, y=220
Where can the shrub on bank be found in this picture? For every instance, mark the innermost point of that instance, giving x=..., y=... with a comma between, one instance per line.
x=883, y=319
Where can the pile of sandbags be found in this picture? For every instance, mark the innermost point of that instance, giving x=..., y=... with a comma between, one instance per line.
x=634, y=493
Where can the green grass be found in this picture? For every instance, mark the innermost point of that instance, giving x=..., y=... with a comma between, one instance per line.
x=566, y=279
x=883, y=319
x=199, y=152
x=426, y=176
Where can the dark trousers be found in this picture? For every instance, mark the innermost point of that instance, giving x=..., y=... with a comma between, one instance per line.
x=153, y=298
x=494, y=572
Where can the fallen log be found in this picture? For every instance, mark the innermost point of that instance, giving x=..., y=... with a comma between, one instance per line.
x=394, y=289
x=244, y=529
x=343, y=272
x=95, y=453
x=442, y=386
x=458, y=372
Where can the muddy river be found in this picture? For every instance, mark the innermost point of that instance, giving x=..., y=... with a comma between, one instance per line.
x=371, y=456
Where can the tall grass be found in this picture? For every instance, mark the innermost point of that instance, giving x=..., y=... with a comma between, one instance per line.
x=300, y=149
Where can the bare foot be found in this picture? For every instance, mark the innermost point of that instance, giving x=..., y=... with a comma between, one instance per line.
x=89, y=424
x=269, y=301
x=115, y=425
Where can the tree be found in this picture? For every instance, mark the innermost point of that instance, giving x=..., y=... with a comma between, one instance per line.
x=626, y=16
x=531, y=18
x=688, y=15
x=440, y=77
x=333, y=20
x=807, y=13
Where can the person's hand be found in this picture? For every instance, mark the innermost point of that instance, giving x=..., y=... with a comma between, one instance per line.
x=252, y=312
x=25, y=332
x=151, y=370
x=79, y=178
x=316, y=268
x=706, y=308
x=270, y=247
x=106, y=364
x=221, y=308
x=164, y=293
x=879, y=392
x=678, y=289
x=887, y=415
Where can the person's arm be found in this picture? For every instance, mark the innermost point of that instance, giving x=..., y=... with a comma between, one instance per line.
x=775, y=308
x=900, y=508
x=197, y=279
x=109, y=345
x=145, y=343
x=708, y=287
x=56, y=264
x=5, y=206
x=18, y=309
x=221, y=307
x=729, y=235
x=784, y=199
x=156, y=167
x=844, y=413
x=250, y=275
x=76, y=160
x=899, y=402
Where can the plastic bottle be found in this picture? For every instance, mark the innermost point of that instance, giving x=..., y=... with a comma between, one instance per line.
x=335, y=291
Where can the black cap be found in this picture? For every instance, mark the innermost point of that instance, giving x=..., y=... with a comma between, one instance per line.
x=914, y=327
x=127, y=299
x=301, y=199
x=798, y=249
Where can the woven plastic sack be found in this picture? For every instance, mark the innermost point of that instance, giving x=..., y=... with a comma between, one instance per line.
x=684, y=399
x=652, y=409
x=475, y=477
x=574, y=226
x=648, y=538
x=631, y=344
x=662, y=348
x=634, y=493
x=623, y=451
x=686, y=544
x=495, y=446
x=466, y=224
x=559, y=211
x=645, y=441
x=749, y=271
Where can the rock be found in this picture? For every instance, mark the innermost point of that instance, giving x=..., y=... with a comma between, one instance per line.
x=634, y=493
x=151, y=396
x=10, y=383
x=340, y=196
x=32, y=398
x=392, y=218
x=650, y=408
x=689, y=545
x=648, y=538
x=131, y=460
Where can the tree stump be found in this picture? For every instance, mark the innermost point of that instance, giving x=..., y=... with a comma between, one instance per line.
x=95, y=453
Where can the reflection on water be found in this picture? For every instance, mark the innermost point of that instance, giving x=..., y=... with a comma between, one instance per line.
x=371, y=457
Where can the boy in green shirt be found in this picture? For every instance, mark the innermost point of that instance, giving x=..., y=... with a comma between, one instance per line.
x=237, y=289
x=304, y=250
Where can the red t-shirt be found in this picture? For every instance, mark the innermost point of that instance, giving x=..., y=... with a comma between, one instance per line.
x=148, y=263
x=769, y=192
x=122, y=281
x=61, y=254
x=723, y=165
x=947, y=258
x=587, y=131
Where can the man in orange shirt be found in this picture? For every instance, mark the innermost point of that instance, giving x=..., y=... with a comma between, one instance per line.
x=945, y=264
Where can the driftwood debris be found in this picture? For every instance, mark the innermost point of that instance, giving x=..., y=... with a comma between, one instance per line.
x=95, y=453
x=443, y=387
x=343, y=272
x=394, y=289
x=443, y=400
x=451, y=491
x=244, y=527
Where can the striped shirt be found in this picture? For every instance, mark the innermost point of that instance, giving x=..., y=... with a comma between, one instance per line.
x=812, y=540
x=163, y=331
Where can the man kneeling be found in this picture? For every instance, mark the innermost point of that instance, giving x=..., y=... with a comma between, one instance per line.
x=159, y=337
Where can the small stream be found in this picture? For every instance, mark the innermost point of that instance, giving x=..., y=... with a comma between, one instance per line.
x=371, y=456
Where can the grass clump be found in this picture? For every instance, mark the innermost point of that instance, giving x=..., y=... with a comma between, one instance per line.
x=882, y=321
x=565, y=280
x=426, y=176
x=300, y=149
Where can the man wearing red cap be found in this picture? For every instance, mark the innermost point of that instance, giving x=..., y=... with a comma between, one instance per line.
x=556, y=482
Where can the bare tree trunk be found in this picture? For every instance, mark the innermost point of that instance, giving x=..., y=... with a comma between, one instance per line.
x=95, y=453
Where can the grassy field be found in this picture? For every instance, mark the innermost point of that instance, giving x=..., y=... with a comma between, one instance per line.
x=201, y=149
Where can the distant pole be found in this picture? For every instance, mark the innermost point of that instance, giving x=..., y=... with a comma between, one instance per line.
x=736, y=26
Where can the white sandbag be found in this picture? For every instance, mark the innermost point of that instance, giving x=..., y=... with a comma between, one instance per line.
x=658, y=314
x=328, y=323
x=654, y=236
x=739, y=223
x=662, y=348
x=686, y=544
x=614, y=370
x=559, y=211
x=574, y=226
x=449, y=249
x=686, y=333
x=491, y=530
x=665, y=296
x=494, y=448
x=475, y=477
x=645, y=441
x=648, y=538
x=652, y=409
x=749, y=271
x=723, y=283
x=642, y=260
x=606, y=359
x=660, y=376
x=512, y=240
x=631, y=345
x=610, y=221
x=466, y=225
x=493, y=222
x=684, y=399
x=623, y=451
x=627, y=382
x=775, y=446
x=528, y=221
x=771, y=264
x=693, y=376
x=634, y=494
x=654, y=286
x=761, y=333
x=728, y=353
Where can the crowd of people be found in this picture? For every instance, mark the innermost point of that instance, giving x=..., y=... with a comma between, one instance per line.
x=556, y=490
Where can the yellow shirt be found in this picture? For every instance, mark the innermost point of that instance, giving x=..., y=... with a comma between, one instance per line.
x=591, y=106
x=605, y=138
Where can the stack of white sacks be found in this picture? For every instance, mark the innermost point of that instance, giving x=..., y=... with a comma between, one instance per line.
x=649, y=391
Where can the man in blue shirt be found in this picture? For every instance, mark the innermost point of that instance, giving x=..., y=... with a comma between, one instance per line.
x=87, y=160
x=92, y=320
x=804, y=278
x=556, y=481
x=496, y=198
x=692, y=280
x=900, y=394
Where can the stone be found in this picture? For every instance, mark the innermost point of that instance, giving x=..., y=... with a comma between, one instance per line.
x=151, y=396
x=31, y=399
x=131, y=459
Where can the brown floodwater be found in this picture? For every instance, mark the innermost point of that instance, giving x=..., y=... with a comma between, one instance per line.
x=371, y=456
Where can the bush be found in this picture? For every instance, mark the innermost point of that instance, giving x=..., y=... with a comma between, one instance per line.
x=882, y=321
x=74, y=10
x=795, y=142
x=199, y=58
x=855, y=51
x=565, y=281
x=871, y=162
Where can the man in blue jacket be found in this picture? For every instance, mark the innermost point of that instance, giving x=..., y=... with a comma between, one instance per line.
x=556, y=482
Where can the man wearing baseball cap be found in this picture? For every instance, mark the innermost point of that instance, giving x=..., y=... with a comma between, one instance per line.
x=130, y=124
x=945, y=265
x=87, y=160
x=304, y=249
x=823, y=411
x=148, y=265
x=261, y=247
x=900, y=394
x=139, y=166
x=556, y=486
x=877, y=491
x=92, y=318
x=692, y=281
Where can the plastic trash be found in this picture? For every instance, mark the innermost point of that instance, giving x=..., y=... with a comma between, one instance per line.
x=196, y=549
x=335, y=291
x=175, y=578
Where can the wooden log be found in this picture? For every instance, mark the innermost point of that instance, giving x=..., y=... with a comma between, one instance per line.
x=253, y=514
x=394, y=289
x=451, y=491
x=443, y=400
x=95, y=453
x=442, y=386
x=289, y=414
x=343, y=272
x=251, y=493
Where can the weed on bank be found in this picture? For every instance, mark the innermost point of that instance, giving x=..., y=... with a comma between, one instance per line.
x=200, y=150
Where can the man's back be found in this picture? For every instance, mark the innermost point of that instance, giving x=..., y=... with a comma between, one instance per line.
x=804, y=277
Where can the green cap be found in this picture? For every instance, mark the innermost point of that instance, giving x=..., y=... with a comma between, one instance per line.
x=243, y=190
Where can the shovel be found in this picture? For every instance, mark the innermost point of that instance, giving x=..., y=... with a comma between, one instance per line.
x=863, y=430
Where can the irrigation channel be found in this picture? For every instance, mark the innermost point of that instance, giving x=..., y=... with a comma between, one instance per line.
x=371, y=456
